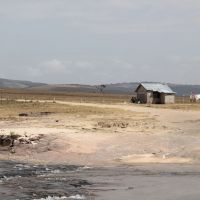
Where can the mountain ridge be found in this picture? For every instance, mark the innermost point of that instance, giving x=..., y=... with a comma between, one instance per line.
x=18, y=84
x=117, y=88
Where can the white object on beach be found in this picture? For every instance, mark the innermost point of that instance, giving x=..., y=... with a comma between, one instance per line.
x=165, y=155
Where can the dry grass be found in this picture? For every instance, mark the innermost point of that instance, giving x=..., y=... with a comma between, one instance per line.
x=185, y=106
x=11, y=108
x=12, y=94
x=79, y=116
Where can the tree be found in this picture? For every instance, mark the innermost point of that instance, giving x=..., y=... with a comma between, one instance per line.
x=101, y=88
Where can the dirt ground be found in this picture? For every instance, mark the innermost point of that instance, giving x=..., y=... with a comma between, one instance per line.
x=99, y=134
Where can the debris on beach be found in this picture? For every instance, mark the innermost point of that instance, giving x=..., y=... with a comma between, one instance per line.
x=116, y=124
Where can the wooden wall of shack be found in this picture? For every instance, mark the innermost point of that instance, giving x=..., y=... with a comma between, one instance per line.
x=144, y=96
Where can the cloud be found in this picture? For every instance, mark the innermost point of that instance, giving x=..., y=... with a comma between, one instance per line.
x=58, y=67
x=113, y=16
x=52, y=67
x=95, y=41
x=106, y=70
x=77, y=70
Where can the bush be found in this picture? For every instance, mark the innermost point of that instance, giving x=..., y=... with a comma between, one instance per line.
x=134, y=100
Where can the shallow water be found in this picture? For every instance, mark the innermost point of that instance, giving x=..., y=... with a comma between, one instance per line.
x=23, y=181
x=61, y=182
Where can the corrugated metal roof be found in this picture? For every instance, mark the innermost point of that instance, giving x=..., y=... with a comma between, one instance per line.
x=157, y=87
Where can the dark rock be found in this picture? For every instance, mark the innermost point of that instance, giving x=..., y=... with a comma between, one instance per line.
x=23, y=115
x=45, y=113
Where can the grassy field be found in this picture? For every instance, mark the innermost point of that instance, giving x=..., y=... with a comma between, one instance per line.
x=72, y=97
x=10, y=95
x=12, y=108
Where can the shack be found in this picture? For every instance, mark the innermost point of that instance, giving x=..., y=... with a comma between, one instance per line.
x=155, y=93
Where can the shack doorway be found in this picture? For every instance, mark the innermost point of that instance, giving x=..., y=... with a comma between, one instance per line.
x=156, y=98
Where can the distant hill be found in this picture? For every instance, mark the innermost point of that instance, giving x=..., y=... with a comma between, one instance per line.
x=66, y=88
x=126, y=88
x=118, y=88
x=180, y=89
x=7, y=83
x=186, y=90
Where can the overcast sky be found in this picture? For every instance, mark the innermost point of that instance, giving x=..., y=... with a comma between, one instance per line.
x=100, y=41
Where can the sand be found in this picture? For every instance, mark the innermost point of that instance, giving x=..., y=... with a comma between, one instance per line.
x=129, y=134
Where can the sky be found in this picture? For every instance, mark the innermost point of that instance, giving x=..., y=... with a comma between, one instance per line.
x=100, y=41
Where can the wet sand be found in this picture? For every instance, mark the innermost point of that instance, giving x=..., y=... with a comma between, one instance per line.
x=150, y=184
x=153, y=182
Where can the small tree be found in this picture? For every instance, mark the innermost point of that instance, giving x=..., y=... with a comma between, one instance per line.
x=101, y=88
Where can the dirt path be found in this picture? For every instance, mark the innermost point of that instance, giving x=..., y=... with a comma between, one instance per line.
x=168, y=115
